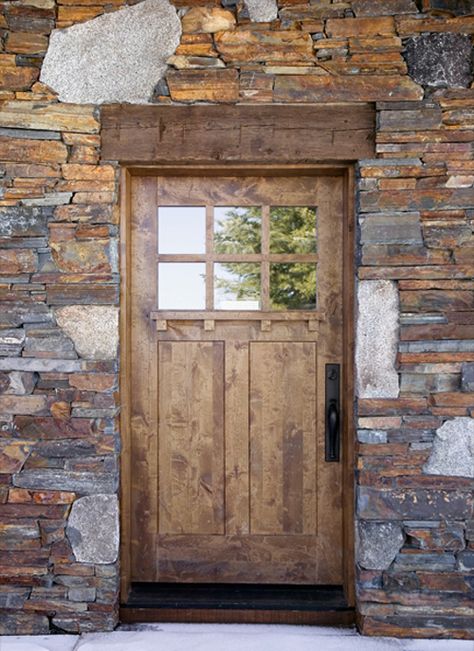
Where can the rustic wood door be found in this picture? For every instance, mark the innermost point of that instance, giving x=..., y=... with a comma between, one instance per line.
x=236, y=310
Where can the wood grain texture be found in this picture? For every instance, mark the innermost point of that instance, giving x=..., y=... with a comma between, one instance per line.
x=191, y=437
x=282, y=437
x=236, y=616
x=230, y=442
x=240, y=558
x=143, y=376
x=287, y=134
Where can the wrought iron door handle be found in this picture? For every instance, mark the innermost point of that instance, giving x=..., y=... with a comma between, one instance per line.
x=333, y=431
x=333, y=436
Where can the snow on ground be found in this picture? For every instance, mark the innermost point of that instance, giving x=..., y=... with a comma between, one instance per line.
x=225, y=637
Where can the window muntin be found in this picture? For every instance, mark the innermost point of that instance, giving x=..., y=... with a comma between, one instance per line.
x=245, y=258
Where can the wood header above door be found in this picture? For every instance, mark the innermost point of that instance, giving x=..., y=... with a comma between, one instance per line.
x=204, y=134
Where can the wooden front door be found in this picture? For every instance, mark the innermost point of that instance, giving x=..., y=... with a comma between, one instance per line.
x=236, y=311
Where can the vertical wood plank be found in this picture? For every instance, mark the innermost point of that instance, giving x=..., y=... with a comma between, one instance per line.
x=143, y=290
x=330, y=288
x=237, y=437
x=125, y=388
x=191, y=405
x=282, y=437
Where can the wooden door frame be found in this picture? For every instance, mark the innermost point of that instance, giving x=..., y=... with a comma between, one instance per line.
x=345, y=170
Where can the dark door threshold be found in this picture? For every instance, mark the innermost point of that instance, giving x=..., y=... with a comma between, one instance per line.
x=201, y=602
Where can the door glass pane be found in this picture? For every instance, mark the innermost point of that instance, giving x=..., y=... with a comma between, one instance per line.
x=181, y=229
x=293, y=286
x=237, y=286
x=237, y=230
x=181, y=286
x=292, y=229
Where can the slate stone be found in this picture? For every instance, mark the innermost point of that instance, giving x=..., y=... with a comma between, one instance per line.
x=22, y=221
x=467, y=376
x=466, y=561
x=371, y=436
x=11, y=342
x=434, y=562
x=82, y=594
x=402, y=504
x=440, y=60
x=376, y=339
x=31, y=134
x=93, y=329
x=383, y=7
x=454, y=7
x=93, y=529
x=51, y=199
x=449, y=536
x=68, y=448
x=40, y=365
x=63, y=480
x=452, y=453
x=378, y=543
x=390, y=228
x=52, y=343
x=20, y=623
x=116, y=57
x=13, y=597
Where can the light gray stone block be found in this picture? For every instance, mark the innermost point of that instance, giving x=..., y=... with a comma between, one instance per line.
x=116, y=57
x=40, y=365
x=378, y=544
x=371, y=436
x=452, y=453
x=262, y=11
x=377, y=339
x=17, y=383
x=11, y=341
x=93, y=329
x=467, y=376
x=93, y=529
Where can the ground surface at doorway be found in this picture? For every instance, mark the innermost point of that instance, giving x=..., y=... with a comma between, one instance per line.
x=222, y=637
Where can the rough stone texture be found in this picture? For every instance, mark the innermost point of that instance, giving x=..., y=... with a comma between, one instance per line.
x=93, y=329
x=453, y=449
x=467, y=377
x=440, y=60
x=93, y=529
x=65, y=480
x=376, y=339
x=117, y=57
x=58, y=233
x=378, y=544
x=262, y=11
x=383, y=7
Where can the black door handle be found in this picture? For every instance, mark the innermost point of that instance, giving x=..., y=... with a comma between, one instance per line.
x=333, y=431
x=333, y=425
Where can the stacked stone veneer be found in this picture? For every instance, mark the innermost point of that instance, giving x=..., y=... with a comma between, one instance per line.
x=59, y=437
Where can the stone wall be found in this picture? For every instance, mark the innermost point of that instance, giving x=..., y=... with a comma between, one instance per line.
x=59, y=436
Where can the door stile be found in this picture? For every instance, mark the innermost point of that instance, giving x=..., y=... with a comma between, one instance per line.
x=144, y=479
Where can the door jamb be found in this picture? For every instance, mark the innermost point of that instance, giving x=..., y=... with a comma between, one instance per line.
x=343, y=169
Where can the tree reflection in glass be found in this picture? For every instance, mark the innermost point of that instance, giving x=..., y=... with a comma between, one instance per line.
x=237, y=230
x=292, y=231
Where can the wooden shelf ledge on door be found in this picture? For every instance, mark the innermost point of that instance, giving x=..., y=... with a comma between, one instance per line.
x=209, y=318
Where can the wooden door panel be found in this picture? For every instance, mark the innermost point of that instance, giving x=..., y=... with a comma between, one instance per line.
x=227, y=414
x=241, y=559
x=191, y=437
x=282, y=437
